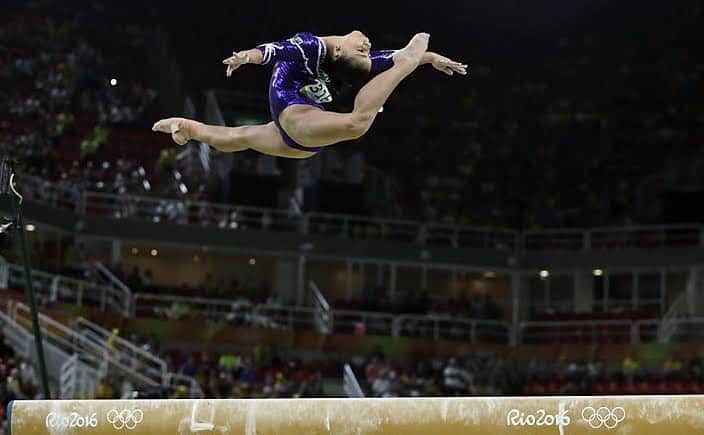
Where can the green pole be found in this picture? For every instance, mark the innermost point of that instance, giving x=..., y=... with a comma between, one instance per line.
x=29, y=290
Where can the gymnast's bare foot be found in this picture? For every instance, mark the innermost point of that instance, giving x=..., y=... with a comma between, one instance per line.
x=411, y=54
x=181, y=129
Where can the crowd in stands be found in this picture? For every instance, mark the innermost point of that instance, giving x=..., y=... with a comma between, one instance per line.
x=18, y=381
x=591, y=134
x=490, y=374
x=581, y=137
x=255, y=374
x=435, y=377
x=259, y=374
x=73, y=111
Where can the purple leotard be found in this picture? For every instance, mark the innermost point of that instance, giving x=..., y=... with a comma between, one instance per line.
x=298, y=77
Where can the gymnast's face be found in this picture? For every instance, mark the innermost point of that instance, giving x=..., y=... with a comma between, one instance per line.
x=355, y=48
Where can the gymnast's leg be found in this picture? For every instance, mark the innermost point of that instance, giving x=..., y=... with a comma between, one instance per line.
x=312, y=127
x=263, y=138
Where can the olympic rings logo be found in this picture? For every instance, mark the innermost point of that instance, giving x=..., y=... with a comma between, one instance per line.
x=125, y=419
x=603, y=417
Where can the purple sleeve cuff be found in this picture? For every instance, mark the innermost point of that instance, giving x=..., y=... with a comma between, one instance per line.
x=381, y=61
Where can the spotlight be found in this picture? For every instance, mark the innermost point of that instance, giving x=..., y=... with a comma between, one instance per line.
x=113, y=82
x=252, y=261
x=598, y=272
x=155, y=252
x=30, y=227
x=544, y=274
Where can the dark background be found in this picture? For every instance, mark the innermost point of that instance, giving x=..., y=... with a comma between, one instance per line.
x=505, y=146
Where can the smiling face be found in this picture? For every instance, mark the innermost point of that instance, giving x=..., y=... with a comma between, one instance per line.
x=354, y=49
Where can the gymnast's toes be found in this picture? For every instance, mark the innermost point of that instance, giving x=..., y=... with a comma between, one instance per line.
x=163, y=125
x=412, y=53
x=178, y=127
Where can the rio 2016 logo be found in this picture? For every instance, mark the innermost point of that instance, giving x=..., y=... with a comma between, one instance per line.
x=541, y=418
x=55, y=420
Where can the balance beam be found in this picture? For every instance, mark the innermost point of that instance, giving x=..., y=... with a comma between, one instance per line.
x=559, y=415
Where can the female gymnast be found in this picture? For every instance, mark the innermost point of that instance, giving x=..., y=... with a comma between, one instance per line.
x=304, y=68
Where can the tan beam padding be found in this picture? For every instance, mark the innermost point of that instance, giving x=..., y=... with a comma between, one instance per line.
x=641, y=415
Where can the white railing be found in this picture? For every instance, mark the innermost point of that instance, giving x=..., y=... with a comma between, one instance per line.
x=127, y=353
x=350, y=384
x=450, y=328
x=178, y=307
x=685, y=305
x=53, y=288
x=136, y=357
x=364, y=322
x=283, y=316
x=363, y=227
x=577, y=239
x=589, y=331
x=74, y=377
x=323, y=316
x=687, y=329
x=236, y=312
x=356, y=227
x=103, y=351
x=341, y=321
x=99, y=354
x=114, y=281
x=16, y=336
x=69, y=377
x=678, y=310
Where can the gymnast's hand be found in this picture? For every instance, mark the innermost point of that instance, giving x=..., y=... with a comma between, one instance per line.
x=235, y=61
x=446, y=65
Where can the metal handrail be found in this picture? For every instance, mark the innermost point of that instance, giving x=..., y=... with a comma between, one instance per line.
x=377, y=323
x=74, y=342
x=138, y=354
x=448, y=326
x=632, y=326
x=679, y=326
x=324, y=317
x=75, y=289
x=246, y=217
x=350, y=383
x=91, y=342
x=115, y=281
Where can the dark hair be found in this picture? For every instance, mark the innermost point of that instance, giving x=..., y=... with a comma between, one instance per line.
x=346, y=76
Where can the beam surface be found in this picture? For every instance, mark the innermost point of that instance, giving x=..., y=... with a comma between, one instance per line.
x=561, y=415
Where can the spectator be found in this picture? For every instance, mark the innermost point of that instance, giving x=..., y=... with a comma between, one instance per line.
x=456, y=380
x=630, y=366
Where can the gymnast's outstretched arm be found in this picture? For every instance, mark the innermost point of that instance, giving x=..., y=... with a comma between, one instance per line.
x=384, y=59
x=303, y=47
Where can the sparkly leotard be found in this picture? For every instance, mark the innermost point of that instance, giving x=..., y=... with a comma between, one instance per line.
x=298, y=77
